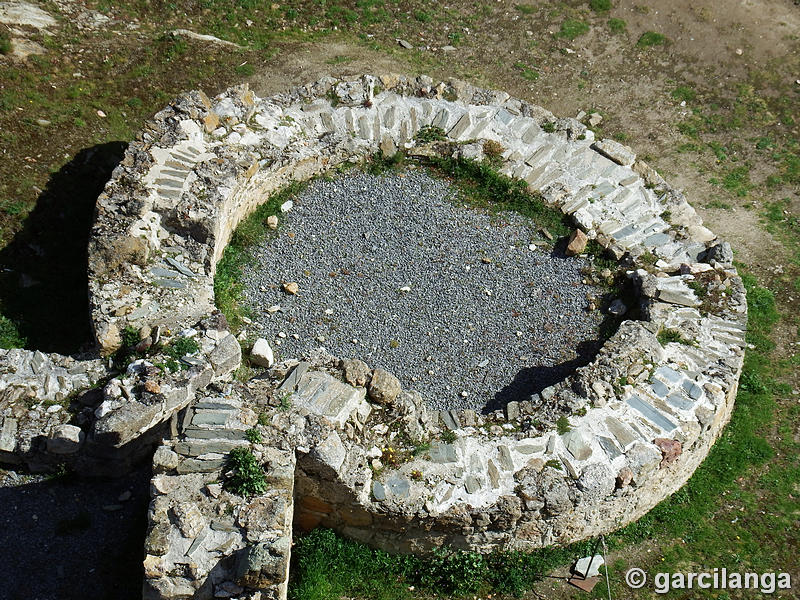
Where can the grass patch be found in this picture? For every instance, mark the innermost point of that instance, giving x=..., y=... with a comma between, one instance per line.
x=683, y=92
x=617, y=26
x=735, y=180
x=483, y=187
x=253, y=436
x=5, y=44
x=650, y=38
x=600, y=6
x=528, y=72
x=10, y=336
x=572, y=28
x=228, y=287
x=248, y=476
x=526, y=9
x=562, y=425
x=667, y=336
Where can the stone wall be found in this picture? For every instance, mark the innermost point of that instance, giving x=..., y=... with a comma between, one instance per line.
x=371, y=460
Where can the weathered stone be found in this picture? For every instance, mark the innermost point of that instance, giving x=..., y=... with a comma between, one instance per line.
x=643, y=459
x=442, y=453
x=189, y=519
x=330, y=452
x=471, y=484
x=617, y=152
x=670, y=450
x=165, y=459
x=291, y=287
x=398, y=486
x=624, y=477
x=261, y=355
x=8, y=434
x=356, y=372
x=596, y=481
x=512, y=411
x=577, y=243
x=384, y=387
x=157, y=541
x=589, y=566
x=65, y=439
x=227, y=356
x=378, y=491
x=577, y=446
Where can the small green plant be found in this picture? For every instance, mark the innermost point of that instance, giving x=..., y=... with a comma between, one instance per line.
x=528, y=72
x=420, y=448
x=416, y=475
x=448, y=436
x=253, y=436
x=600, y=5
x=650, y=38
x=181, y=347
x=5, y=44
x=263, y=419
x=666, y=336
x=617, y=26
x=422, y=16
x=430, y=133
x=683, y=92
x=247, y=477
x=493, y=150
x=284, y=401
x=553, y=463
x=245, y=70
x=572, y=28
x=548, y=127
x=562, y=425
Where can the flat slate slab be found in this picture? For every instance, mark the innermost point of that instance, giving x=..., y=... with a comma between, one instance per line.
x=324, y=395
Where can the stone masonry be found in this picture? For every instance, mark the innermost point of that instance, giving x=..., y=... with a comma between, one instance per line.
x=340, y=444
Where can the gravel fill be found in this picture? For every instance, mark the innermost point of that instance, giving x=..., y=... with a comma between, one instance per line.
x=455, y=302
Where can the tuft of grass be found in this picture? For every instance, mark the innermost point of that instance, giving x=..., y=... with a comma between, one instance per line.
x=650, y=38
x=245, y=70
x=572, y=28
x=528, y=72
x=484, y=187
x=600, y=6
x=617, y=26
x=562, y=425
x=683, y=92
x=10, y=336
x=430, y=133
x=248, y=476
x=666, y=336
x=448, y=436
x=5, y=43
x=181, y=347
x=253, y=436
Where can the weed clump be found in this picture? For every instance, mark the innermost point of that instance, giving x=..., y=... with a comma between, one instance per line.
x=247, y=476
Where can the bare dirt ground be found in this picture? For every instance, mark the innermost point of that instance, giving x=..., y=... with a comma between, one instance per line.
x=714, y=105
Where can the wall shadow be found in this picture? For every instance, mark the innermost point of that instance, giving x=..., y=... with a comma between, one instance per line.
x=43, y=279
x=73, y=538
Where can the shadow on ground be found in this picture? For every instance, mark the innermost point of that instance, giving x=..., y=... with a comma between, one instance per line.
x=43, y=286
x=73, y=538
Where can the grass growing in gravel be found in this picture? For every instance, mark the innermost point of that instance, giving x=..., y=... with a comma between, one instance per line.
x=228, y=286
x=484, y=187
x=651, y=38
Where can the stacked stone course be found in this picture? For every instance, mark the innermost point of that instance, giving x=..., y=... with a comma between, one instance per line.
x=644, y=414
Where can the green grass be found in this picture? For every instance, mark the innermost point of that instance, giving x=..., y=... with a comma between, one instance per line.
x=527, y=71
x=617, y=26
x=228, y=287
x=683, y=92
x=562, y=425
x=526, y=9
x=483, y=187
x=735, y=180
x=600, y=6
x=10, y=336
x=5, y=44
x=253, y=436
x=650, y=38
x=666, y=336
x=572, y=28
x=247, y=477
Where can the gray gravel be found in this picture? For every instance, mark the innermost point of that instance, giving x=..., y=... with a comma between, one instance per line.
x=484, y=318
